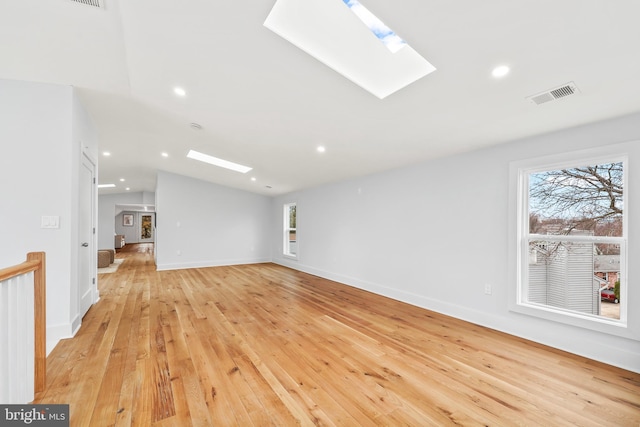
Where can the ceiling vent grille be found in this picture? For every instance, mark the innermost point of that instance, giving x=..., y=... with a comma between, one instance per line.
x=555, y=93
x=94, y=3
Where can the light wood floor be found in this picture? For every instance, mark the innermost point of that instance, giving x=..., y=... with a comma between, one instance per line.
x=262, y=345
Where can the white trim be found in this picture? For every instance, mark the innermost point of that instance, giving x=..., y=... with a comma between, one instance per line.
x=93, y=244
x=205, y=264
x=519, y=238
x=286, y=230
x=574, y=238
x=626, y=359
x=58, y=332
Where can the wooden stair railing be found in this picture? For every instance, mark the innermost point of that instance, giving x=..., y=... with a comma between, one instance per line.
x=36, y=263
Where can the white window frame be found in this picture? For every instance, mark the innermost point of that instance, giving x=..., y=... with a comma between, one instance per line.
x=287, y=229
x=519, y=239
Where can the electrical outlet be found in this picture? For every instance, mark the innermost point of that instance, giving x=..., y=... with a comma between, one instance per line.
x=487, y=289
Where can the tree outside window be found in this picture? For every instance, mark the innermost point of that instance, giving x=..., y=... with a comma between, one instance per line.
x=575, y=222
x=290, y=243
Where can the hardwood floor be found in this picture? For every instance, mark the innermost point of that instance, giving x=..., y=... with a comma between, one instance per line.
x=262, y=345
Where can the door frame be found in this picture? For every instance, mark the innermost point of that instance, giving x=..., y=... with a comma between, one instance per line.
x=87, y=161
x=153, y=227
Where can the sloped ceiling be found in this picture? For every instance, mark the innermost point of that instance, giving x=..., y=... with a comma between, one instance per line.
x=264, y=103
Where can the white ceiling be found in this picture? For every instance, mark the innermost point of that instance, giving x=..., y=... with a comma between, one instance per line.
x=264, y=103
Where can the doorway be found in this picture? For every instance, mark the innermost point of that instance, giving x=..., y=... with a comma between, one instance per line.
x=87, y=292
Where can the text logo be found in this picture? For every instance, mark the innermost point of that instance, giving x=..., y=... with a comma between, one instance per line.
x=34, y=415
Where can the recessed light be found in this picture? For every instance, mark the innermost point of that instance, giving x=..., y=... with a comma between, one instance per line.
x=121, y=179
x=321, y=149
x=253, y=178
x=217, y=162
x=106, y=185
x=179, y=91
x=106, y=153
x=500, y=71
x=164, y=154
x=127, y=188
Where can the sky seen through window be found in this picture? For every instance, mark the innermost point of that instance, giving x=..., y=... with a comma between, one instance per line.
x=391, y=40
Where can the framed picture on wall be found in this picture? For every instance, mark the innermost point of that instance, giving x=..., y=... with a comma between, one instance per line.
x=127, y=220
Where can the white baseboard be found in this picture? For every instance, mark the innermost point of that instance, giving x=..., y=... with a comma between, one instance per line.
x=625, y=358
x=205, y=264
x=55, y=333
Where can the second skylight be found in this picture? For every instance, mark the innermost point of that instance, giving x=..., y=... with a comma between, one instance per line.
x=196, y=155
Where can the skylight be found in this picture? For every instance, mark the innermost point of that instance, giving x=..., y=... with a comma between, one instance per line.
x=391, y=40
x=331, y=33
x=217, y=162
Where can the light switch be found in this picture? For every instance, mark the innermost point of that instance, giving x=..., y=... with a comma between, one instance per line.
x=48, y=221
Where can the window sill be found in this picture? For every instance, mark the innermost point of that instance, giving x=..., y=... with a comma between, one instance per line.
x=572, y=318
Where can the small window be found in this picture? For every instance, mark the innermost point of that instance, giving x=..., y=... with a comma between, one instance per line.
x=290, y=243
x=572, y=240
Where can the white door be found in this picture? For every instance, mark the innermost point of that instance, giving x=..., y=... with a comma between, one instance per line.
x=147, y=226
x=86, y=232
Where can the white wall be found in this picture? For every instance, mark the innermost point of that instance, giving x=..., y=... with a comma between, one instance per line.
x=130, y=233
x=199, y=224
x=434, y=234
x=41, y=130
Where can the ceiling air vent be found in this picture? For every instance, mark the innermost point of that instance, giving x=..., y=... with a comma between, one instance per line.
x=94, y=3
x=553, y=94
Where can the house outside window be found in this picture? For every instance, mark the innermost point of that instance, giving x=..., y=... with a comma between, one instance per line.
x=290, y=243
x=572, y=240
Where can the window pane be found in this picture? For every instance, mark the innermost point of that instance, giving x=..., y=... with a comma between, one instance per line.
x=585, y=200
x=292, y=216
x=578, y=274
x=292, y=242
x=574, y=276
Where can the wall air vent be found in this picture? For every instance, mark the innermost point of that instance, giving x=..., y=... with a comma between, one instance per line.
x=94, y=3
x=555, y=93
